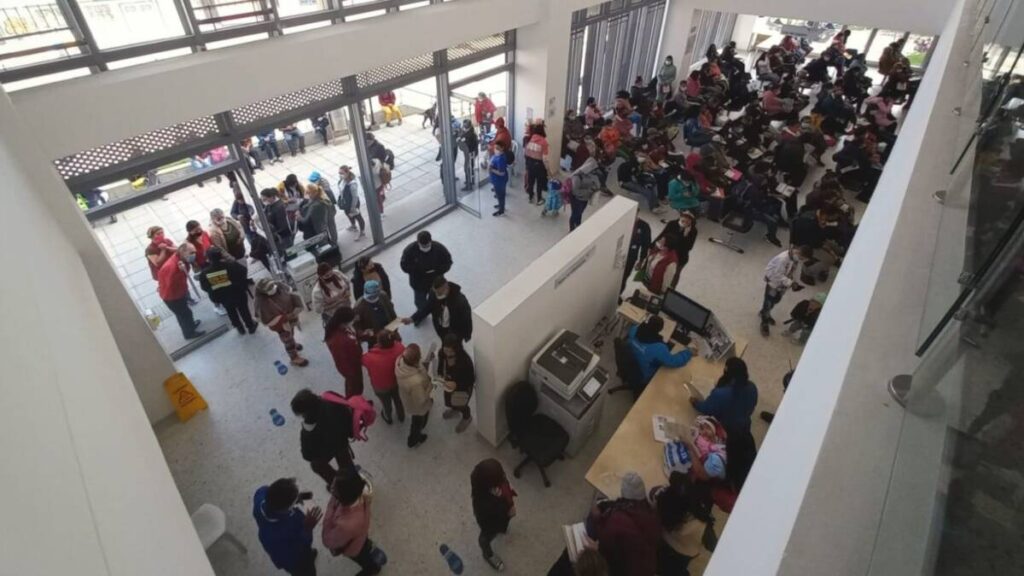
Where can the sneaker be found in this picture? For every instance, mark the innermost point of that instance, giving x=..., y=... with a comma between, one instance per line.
x=351, y=228
x=362, y=236
x=495, y=562
x=299, y=346
x=401, y=419
x=499, y=213
x=773, y=240
x=299, y=361
x=241, y=330
x=463, y=424
x=386, y=418
x=767, y=416
x=449, y=413
x=770, y=320
x=765, y=331
x=252, y=329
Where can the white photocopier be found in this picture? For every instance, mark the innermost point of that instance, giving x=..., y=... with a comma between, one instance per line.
x=569, y=386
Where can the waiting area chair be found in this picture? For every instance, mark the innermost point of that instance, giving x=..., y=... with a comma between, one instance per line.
x=536, y=436
x=733, y=222
x=211, y=525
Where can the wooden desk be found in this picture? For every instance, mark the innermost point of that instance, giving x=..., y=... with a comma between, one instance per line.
x=633, y=448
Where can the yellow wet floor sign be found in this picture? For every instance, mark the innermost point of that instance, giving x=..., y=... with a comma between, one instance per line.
x=186, y=400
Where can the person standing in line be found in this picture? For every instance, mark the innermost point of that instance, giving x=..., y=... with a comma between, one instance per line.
x=456, y=369
x=469, y=143
x=450, y=310
x=331, y=291
x=285, y=530
x=316, y=214
x=172, y=285
x=341, y=341
x=317, y=179
x=778, y=278
x=349, y=201
x=198, y=238
x=277, y=219
x=684, y=510
x=159, y=250
x=662, y=266
x=374, y=312
x=424, y=260
x=379, y=362
x=227, y=234
x=498, y=171
x=536, y=171
x=279, y=308
x=415, y=387
x=346, y=527
x=326, y=431
x=244, y=214
x=494, y=506
x=666, y=79
x=365, y=270
x=585, y=184
x=639, y=245
x=226, y=281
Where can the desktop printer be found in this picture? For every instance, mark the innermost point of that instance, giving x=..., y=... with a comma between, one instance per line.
x=563, y=364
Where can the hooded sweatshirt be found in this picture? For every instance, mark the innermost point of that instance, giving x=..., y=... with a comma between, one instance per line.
x=414, y=387
x=380, y=365
x=451, y=314
x=282, y=535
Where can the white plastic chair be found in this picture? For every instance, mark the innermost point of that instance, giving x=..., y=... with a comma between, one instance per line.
x=211, y=525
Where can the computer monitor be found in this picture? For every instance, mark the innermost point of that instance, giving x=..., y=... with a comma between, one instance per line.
x=685, y=311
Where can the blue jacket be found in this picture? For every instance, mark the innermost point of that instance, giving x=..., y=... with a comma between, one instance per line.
x=283, y=536
x=654, y=355
x=732, y=406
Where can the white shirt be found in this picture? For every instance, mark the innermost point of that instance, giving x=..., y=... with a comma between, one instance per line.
x=779, y=272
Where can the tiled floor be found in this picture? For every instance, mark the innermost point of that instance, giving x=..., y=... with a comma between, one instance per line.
x=223, y=455
x=415, y=191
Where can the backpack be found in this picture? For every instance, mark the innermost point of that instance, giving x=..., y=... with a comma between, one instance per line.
x=363, y=412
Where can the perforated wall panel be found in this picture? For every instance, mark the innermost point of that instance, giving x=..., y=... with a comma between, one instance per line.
x=117, y=153
x=257, y=111
x=473, y=46
x=395, y=71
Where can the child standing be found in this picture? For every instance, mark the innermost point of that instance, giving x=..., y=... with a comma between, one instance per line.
x=347, y=523
x=493, y=506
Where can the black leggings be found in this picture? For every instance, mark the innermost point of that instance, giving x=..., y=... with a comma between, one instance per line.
x=536, y=178
x=485, y=540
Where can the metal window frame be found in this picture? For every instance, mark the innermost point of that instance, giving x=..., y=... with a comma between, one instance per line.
x=97, y=60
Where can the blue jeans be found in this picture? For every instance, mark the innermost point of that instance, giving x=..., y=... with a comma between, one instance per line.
x=420, y=299
x=500, y=191
x=650, y=194
x=771, y=298
x=577, y=207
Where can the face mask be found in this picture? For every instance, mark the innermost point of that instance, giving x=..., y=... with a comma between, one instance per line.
x=191, y=258
x=158, y=238
x=308, y=427
x=425, y=248
x=272, y=291
x=441, y=296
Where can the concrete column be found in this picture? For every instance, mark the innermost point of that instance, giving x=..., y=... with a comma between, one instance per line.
x=678, y=19
x=542, y=67
x=147, y=363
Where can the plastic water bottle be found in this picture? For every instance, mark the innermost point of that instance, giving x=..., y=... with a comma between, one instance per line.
x=454, y=562
x=276, y=417
x=282, y=368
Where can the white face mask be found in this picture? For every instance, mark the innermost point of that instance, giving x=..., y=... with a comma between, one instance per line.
x=272, y=291
x=424, y=248
x=308, y=427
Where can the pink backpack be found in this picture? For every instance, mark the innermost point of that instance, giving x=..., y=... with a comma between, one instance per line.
x=363, y=413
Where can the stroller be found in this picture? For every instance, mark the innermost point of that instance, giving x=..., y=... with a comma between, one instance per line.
x=558, y=194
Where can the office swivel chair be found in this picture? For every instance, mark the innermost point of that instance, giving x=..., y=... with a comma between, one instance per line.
x=536, y=436
x=626, y=368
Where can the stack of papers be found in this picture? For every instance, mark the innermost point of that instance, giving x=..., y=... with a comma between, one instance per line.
x=575, y=538
x=665, y=428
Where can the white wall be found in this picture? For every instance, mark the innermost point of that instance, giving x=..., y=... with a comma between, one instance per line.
x=512, y=325
x=813, y=501
x=86, y=488
x=678, y=19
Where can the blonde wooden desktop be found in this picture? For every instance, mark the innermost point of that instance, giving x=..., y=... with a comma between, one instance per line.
x=633, y=448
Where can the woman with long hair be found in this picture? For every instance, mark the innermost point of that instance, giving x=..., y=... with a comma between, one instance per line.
x=732, y=403
x=340, y=338
x=684, y=510
x=331, y=291
x=456, y=369
x=493, y=506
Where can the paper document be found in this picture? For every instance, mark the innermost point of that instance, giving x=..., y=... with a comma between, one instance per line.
x=394, y=325
x=575, y=539
x=664, y=428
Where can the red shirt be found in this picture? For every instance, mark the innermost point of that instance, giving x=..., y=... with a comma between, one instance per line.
x=347, y=353
x=171, y=281
x=380, y=365
x=201, y=245
x=482, y=107
x=387, y=98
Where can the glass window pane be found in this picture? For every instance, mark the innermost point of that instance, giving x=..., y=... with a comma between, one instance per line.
x=475, y=68
x=414, y=5
x=304, y=27
x=295, y=7
x=365, y=15
x=917, y=48
x=220, y=14
x=47, y=79
x=120, y=23
x=37, y=32
x=415, y=190
x=472, y=106
x=235, y=41
x=882, y=39
x=148, y=58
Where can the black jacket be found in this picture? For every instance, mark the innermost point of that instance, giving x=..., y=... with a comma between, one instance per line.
x=231, y=280
x=639, y=242
x=491, y=513
x=277, y=217
x=422, y=267
x=459, y=313
x=686, y=241
x=462, y=373
x=358, y=282
x=330, y=437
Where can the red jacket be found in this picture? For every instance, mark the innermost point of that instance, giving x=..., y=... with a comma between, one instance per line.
x=628, y=539
x=482, y=107
x=172, y=282
x=202, y=244
x=380, y=365
x=348, y=354
x=387, y=98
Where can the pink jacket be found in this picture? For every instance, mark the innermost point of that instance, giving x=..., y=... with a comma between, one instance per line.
x=346, y=528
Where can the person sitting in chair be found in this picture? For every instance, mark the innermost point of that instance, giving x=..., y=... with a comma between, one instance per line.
x=651, y=352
